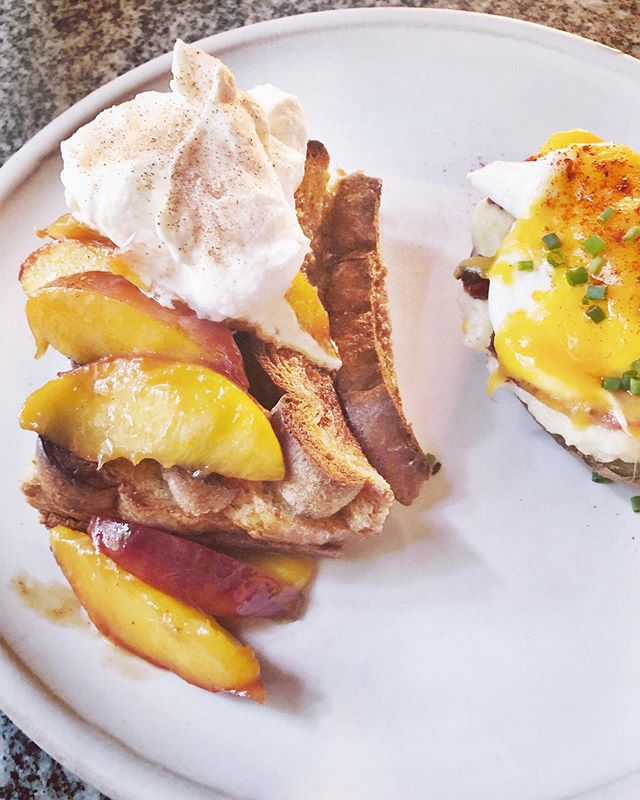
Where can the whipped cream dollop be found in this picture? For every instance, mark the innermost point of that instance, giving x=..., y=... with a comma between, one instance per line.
x=196, y=187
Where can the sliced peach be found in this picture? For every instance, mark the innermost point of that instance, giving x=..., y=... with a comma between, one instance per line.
x=303, y=297
x=296, y=571
x=65, y=257
x=177, y=413
x=198, y=576
x=153, y=625
x=67, y=227
x=71, y=257
x=94, y=314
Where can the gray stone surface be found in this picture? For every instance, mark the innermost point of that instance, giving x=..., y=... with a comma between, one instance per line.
x=52, y=53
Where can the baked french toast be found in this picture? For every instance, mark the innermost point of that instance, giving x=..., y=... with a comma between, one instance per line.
x=222, y=304
x=347, y=446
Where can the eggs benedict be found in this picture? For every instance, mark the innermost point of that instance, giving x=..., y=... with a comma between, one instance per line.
x=553, y=292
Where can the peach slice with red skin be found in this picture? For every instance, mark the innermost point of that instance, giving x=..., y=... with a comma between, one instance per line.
x=198, y=576
x=93, y=314
x=79, y=248
x=174, y=412
x=152, y=624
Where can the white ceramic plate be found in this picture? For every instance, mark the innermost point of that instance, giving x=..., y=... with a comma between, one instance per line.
x=488, y=646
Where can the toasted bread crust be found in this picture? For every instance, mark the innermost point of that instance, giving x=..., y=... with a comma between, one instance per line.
x=311, y=196
x=354, y=290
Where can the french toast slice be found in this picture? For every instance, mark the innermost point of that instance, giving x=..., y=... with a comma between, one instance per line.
x=352, y=281
x=349, y=499
x=330, y=494
x=333, y=491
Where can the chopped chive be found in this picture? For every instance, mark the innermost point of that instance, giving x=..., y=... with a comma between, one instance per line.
x=597, y=292
x=596, y=314
x=585, y=301
x=634, y=386
x=555, y=258
x=626, y=378
x=525, y=266
x=551, y=241
x=612, y=384
x=595, y=265
x=577, y=276
x=594, y=245
x=635, y=503
x=598, y=478
x=433, y=463
x=632, y=233
x=606, y=214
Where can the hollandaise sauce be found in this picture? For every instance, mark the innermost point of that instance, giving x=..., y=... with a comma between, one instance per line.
x=574, y=341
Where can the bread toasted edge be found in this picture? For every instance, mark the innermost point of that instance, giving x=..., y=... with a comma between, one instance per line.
x=352, y=284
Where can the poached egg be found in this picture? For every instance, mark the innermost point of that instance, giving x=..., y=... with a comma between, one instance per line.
x=564, y=284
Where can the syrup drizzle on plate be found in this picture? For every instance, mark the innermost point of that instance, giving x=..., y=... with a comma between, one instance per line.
x=58, y=604
x=52, y=600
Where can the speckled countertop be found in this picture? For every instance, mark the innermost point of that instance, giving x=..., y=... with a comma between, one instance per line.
x=53, y=52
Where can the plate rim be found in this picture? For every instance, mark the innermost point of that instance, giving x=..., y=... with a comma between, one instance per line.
x=19, y=687
x=27, y=158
